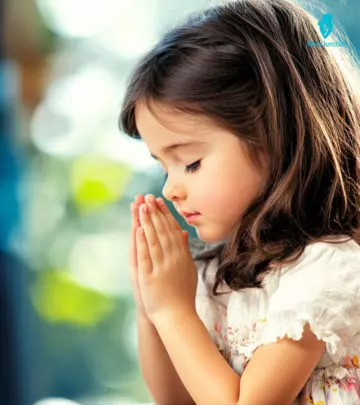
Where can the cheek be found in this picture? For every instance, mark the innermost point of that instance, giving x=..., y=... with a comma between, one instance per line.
x=227, y=197
x=224, y=189
x=216, y=199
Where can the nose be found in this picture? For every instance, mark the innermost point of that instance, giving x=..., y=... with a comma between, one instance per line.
x=174, y=191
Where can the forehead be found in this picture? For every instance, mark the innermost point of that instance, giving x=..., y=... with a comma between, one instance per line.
x=162, y=125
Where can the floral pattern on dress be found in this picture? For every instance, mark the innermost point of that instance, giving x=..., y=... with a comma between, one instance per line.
x=322, y=289
x=237, y=343
x=338, y=385
x=325, y=386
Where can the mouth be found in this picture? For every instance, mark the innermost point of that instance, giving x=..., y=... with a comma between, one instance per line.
x=191, y=217
x=187, y=214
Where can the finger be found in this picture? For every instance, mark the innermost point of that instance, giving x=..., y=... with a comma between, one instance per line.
x=143, y=257
x=170, y=242
x=186, y=236
x=169, y=239
x=174, y=227
x=150, y=199
x=167, y=214
x=167, y=225
x=133, y=256
x=161, y=226
x=139, y=199
x=134, y=208
x=133, y=260
x=152, y=241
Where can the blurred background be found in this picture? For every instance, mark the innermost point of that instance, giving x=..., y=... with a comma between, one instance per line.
x=67, y=178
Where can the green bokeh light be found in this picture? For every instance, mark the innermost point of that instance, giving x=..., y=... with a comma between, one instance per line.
x=59, y=299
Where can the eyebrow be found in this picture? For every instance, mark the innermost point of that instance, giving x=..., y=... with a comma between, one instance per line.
x=176, y=146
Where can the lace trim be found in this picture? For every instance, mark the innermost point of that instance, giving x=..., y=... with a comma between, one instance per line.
x=335, y=346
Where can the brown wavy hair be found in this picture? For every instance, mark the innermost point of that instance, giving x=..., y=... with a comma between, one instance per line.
x=248, y=66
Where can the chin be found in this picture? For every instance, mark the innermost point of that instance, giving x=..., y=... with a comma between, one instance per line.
x=210, y=237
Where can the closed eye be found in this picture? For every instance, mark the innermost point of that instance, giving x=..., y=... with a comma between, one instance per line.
x=193, y=167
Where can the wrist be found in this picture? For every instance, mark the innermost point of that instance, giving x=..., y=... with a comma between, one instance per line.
x=144, y=321
x=141, y=316
x=173, y=317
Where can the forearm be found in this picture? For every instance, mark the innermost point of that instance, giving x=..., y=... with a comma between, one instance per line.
x=203, y=370
x=158, y=371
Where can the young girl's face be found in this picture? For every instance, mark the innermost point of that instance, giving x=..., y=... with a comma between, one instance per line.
x=211, y=175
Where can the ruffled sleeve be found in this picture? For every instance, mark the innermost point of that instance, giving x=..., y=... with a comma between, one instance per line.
x=323, y=290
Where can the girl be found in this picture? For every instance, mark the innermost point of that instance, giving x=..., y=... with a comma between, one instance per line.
x=259, y=135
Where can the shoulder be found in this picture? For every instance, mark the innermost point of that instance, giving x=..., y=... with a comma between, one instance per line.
x=325, y=264
x=321, y=289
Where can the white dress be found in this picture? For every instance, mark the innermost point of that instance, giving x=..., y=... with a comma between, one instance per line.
x=322, y=289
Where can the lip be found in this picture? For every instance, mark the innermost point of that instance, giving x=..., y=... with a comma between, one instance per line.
x=190, y=217
x=187, y=214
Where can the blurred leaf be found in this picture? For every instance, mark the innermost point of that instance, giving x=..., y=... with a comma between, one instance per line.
x=59, y=299
x=97, y=181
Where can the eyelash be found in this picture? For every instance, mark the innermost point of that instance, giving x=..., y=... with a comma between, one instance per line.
x=193, y=167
